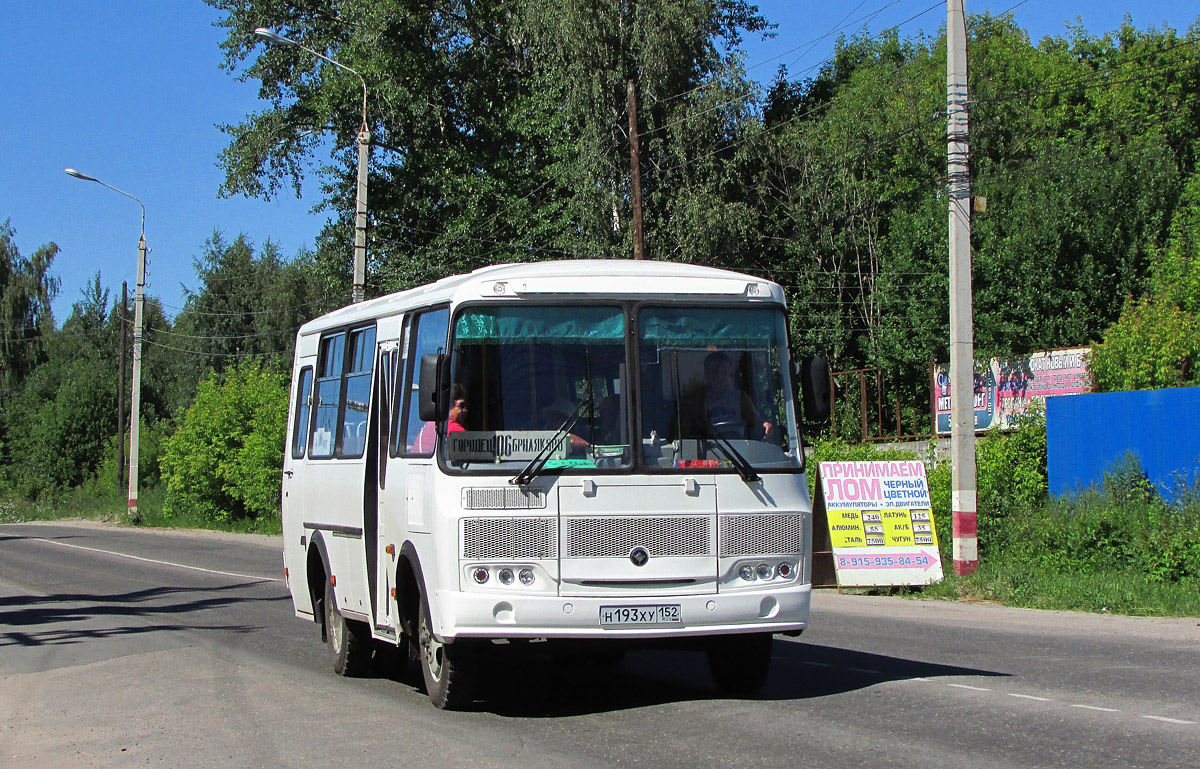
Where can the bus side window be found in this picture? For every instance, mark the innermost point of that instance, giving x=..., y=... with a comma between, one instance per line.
x=428, y=335
x=396, y=398
x=357, y=392
x=329, y=391
x=303, y=402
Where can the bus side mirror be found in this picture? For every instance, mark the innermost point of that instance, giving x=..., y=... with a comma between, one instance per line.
x=814, y=383
x=431, y=397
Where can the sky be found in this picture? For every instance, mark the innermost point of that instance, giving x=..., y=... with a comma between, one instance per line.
x=131, y=92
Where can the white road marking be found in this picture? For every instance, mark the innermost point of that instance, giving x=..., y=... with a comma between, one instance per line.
x=160, y=563
x=1170, y=720
x=1179, y=721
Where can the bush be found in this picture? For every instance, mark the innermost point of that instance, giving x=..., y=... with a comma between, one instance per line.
x=1010, y=481
x=223, y=463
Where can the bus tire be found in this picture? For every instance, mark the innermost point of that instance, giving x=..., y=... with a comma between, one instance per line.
x=349, y=641
x=739, y=663
x=441, y=665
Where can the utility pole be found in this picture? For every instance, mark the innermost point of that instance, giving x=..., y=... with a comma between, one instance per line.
x=135, y=406
x=358, y=291
x=121, y=387
x=138, y=303
x=964, y=502
x=638, y=246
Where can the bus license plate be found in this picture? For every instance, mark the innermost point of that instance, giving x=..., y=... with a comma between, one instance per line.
x=640, y=615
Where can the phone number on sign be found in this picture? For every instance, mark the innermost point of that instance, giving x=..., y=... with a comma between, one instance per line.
x=852, y=561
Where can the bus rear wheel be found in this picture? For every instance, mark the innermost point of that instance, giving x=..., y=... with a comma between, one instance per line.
x=739, y=663
x=441, y=666
x=349, y=641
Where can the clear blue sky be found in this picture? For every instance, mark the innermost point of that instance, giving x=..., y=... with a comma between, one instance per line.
x=130, y=92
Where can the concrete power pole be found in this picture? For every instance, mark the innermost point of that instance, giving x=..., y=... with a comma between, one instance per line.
x=139, y=301
x=964, y=503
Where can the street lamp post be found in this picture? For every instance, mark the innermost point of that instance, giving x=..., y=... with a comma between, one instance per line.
x=364, y=155
x=138, y=319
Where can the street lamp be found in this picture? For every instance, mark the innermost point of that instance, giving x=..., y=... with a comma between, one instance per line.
x=364, y=152
x=138, y=320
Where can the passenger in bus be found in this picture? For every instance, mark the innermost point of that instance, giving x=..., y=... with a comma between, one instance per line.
x=719, y=408
x=455, y=420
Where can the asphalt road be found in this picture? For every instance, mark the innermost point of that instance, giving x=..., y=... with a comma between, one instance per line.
x=127, y=647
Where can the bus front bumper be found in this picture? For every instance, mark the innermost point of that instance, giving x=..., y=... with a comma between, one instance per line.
x=510, y=615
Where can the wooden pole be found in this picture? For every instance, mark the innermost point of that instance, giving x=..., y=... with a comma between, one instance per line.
x=638, y=247
x=121, y=388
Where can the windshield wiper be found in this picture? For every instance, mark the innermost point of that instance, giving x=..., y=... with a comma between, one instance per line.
x=538, y=462
x=739, y=462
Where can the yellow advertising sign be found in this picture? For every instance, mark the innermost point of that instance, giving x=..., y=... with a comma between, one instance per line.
x=880, y=523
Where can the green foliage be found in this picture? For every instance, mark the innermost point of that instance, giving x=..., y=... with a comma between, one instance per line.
x=1012, y=466
x=1156, y=341
x=26, y=290
x=223, y=462
x=501, y=128
x=57, y=425
x=1154, y=344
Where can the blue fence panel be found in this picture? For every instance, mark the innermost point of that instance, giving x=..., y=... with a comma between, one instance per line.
x=1088, y=434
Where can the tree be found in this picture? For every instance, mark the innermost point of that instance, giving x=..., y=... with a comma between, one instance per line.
x=500, y=127
x=62, y=422
x=222, y=463
x=1074, y=142
x=1156, y=341
x=26, y=290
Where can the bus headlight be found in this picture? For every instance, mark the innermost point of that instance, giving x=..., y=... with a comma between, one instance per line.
x=505, y=576
x=526, y=576
x=746, y=573
x=480, y=575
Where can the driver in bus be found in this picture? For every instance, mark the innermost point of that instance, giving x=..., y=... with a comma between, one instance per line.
x=720, y=408
x=556, y=414
x=454, y=422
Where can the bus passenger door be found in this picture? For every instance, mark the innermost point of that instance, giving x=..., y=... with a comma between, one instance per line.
x=379, y=531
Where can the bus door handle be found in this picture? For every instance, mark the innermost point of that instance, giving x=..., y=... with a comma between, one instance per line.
x=288, y=473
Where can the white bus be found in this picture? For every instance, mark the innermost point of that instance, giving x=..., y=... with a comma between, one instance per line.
x=604, y=452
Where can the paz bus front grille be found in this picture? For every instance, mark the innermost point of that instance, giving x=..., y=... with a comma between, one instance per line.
x=684, y=535
x=770, y=534
x=509, y=538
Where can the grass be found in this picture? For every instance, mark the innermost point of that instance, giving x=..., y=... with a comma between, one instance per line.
x=91, y=503
x=1039, y=587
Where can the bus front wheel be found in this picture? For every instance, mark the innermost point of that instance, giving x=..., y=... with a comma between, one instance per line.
x=739, y=663
x=441, y=665
x=349, y=641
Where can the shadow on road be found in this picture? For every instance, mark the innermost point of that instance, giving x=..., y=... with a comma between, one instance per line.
x=533, y=686
x=95, y=616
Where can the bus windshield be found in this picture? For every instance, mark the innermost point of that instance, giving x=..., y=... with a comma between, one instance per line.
x=523, y=372
x=552, y=384
x=713, y=389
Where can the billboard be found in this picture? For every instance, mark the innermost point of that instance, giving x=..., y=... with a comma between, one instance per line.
x=879, y=522
x=1004, y=390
